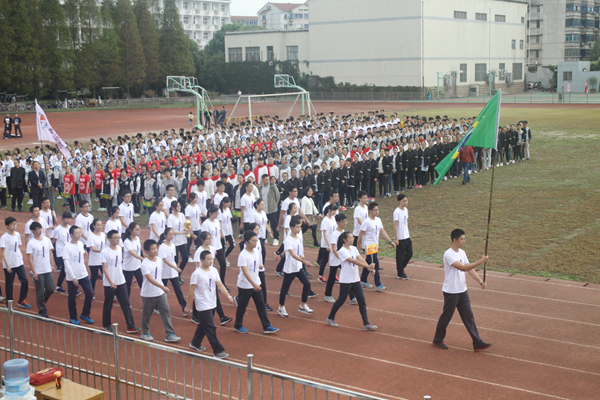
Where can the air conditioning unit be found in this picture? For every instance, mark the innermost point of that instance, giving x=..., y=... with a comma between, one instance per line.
x=453, y=74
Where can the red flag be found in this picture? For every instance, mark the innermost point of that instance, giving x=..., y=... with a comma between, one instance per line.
x=586, y=87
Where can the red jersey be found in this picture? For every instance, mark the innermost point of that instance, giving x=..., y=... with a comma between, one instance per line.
x=69, y=181
x=98, y=176
x=84, y=184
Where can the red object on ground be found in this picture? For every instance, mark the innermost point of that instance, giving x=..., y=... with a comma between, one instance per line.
x=44, y=376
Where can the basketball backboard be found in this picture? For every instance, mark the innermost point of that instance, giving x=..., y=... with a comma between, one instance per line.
x=283, y=81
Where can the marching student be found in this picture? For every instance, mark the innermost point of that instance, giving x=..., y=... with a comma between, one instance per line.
x=35, y=217
x=292, y=269
x=12, y=261
x=77, y=275
x=41, y=261
x=114, y=223
x=176, y=221
x=157, y=221
x=262, y=220
x=167, y=252
x=61, y=237
x=96, y=243
x=328, y=226
x=247, y=206
x=47, y=214
x=113, y=281
x=205, y=240
x=192, y=212
x=126, y=209
x=456, y=295
x=334, y=262
x=132, y=256
x=249, y=285
x=254, y=227
x=291, y=211
x=84, y=221
x=361, y=212
x=225, y=217
x=204, y=284
x=350, y=260
x=370, y=229
x=212, y=225
x=154, y=294
x=404, y=249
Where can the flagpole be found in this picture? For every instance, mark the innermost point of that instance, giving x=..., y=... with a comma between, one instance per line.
x=487, y=234
x=43, y=154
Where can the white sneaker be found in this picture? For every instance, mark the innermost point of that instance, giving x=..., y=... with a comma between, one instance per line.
x=227, y=263
x=445, y=178
x=329, y=299
x=156, y=312
x=281, y=310
x=136, y=215
x=275, y=242
x=30, y=201
x=305, y=309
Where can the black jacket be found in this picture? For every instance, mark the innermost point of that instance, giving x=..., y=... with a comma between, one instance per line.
x=17, y=177
x=34, y=180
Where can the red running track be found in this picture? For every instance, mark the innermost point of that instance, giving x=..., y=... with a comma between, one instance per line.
x=545, y=335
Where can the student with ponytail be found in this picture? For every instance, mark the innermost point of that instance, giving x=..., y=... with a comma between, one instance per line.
x=213, y=226
x=225, y=217
x=167, y=251
x=176, y=221
x=132, y=256
x=96, y=243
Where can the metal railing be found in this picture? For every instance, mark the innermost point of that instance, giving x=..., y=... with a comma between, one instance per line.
x=124, y=367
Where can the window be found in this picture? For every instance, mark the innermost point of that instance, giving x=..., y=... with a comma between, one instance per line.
x=522, y=20
x=205, y=35
x=567, y=75
x=235, y=54
x=252, y=53
x=292, y=53
x=537, y=53
x=513, y=44
x=520, y=45
x=305, y=26
x=186, y=20
x=570, y=53
x=270, y=55
x=572, y=22
x=588, y=23
x=537, y=24
x=573, y=37
x=185, y=6
x=517, y=71
x=205, y=6
x=501, y=66
x=481, y=16
x=284, y=16
x=570, y=6
x=480, y=72
x=305, y=16
x=223, y=7
x=205, y=20
x=195, y=35
x=463, y=72
x=585, y=53
x=500, y=18
x=537, y=39
x=460, y=14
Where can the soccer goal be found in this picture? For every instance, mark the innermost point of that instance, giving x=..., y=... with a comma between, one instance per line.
x=283, y=105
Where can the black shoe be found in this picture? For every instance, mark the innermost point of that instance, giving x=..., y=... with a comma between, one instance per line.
x=268, y=307
x=442, y=345
x=485, y=346
x=225, y=320
x=107, y=328
x=403, y=276
x=312, y=294
x=60, y=290
x=196, y=321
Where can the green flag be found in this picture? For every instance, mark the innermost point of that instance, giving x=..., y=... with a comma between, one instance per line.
x=483, y=133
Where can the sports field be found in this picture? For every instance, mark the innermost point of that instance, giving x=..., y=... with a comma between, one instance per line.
x=544, y=222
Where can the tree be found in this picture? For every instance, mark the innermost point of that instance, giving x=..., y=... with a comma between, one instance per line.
x=107, y=51
x=595, y=52
x=175, y=55
x=215, y=72
x=24, y=54
x=149, y=38
x=87, y=74
x=8, y=45
x=217, y=43
x=133, y=64
x=199, y=59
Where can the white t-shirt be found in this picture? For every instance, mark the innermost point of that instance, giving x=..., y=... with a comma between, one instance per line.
x=169, y=253
x=160, y=222
x=248, y=203
x=218, y=197
x=111, y=225
x=167, y=202
x=327, y=205
x=202, y=197
x=402, y=217
x=84, y=223
x=126, y=212
x=130, y=263
x=349, y=272
x=252, y=261
x=97, y=242
x=199, y=251
x=262, y=221
x=41, y=254
x=205, y=293
x=333, y=238
x=114, y=265
x=178, y=225
x=292, y=265
x=154, y=268
x=62, y=236
x=371, y=229
x=214, y=228
x=363, y=214
x=73, y=259
x=28, y=232
x=328, y=225
x=286, y=203
x=454, y=279
x=10, y=244
x=193, y=213
x=47, y=217
x=225, y=218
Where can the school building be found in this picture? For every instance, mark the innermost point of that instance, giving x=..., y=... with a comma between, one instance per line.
x=462, y=45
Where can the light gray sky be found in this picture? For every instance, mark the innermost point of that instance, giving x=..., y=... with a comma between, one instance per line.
x=249, y=7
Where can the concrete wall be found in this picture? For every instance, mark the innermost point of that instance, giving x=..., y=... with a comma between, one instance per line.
x=278, y=39
x=579, y=76
x=542, y=74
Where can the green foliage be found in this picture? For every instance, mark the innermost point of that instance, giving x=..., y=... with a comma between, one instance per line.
x=107, y=49
x=149, y=38
x=23, y=48
x=554, y=80
x=199, y=59
x=174, y=46
x=594, y=66
x=8, y=44
x=215, y=78
x=217, y=43
x=133, y=64
x=595, y=53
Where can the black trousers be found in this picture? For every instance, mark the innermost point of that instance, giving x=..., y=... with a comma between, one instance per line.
x=61, y=267
x=366, y=186
x=396, y=180
x=346, y=289
x=313, y=229
x=220, y=312
x=382, y=180
x=94, y=273
x=18, y=128
x=273, y=220
x=195, y=241
x=263, y=285
x=243, y=297
x=331, y=279
x=410, y=178
x=220, y=256
x=432, y=174
x=135, y=199
x=351, y=193
x=207, y=328
x=404, y=253
x=230, y=245
x=323, y=260
x=287, y=282
x=17, y=198
x=371, y=259
x=177, y=290
x=36, y=195
x=129, y=279
x=9, y=278
x=460, y=301
x=182, y=251
x=87, y=302
x=123, y=296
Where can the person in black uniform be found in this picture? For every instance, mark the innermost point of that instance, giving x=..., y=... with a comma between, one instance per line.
x=366, y=173
x=17, y=124
x=7, y=126
x=433, y=161
x=411, y=156
x=320, y=187
x=374, y=172
x=388, y=170
x=18, y=185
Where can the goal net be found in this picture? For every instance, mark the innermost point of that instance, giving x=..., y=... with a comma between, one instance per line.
x=280, y=105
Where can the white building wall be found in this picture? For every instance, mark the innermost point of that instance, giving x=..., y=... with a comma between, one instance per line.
x=279, y=40
x=201, y=19
x=271, y=17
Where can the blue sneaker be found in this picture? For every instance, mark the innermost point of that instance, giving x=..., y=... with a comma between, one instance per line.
x=380, y=288
x=147, y=337
x=87, y=320
x=270, y=329
x=241, y=329
x=280, y=274
x=172, y=338
x=75, y=322
x=24, y=304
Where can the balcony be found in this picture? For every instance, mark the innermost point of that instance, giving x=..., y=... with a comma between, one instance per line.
x=535, y=31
